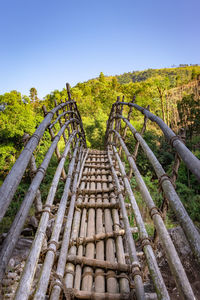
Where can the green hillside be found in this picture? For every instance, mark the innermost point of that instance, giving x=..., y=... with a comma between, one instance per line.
x=21, y=114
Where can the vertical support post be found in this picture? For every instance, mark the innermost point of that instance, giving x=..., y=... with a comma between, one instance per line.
x=57, y=152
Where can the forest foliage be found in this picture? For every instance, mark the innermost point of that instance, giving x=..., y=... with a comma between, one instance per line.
x=21, y=114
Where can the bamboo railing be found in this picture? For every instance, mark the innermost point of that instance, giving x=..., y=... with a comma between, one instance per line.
x=91, y=252
x=9, y=186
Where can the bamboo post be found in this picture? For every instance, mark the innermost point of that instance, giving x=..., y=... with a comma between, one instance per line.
x=60, y=122
x=52, y=137
x=32, y=172
x=141, y=133
x=126, y=127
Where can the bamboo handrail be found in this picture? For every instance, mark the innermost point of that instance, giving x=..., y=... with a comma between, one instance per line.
x=191, y=161
x=10, y=184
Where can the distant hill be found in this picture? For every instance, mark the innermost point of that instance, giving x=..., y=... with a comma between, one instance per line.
x=183, y=74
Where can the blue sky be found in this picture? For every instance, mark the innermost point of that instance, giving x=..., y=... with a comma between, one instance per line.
x=45, y=43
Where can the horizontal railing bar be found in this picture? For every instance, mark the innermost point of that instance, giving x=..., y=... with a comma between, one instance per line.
x=61, y=115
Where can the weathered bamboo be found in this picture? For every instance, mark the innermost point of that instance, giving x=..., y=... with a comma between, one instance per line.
x=85, y=154
x=100, y=205
x=112, y=283
x=60, y=122
x=38, y=198
x=176, y=267
x=69, y=271
x=24, y=287
x=123, y=282
x=99, y=279
x=70, y=112
x=10, y=184
x=100, y=263
x=78, y=270
x=90, y=248
x=55, y=293
x=174, y=200
x=57, y=152
x=151, y=260
x=22, y=214
x=96, y=166
x=98, y=296
x=141, y=133
x=50, y=256
x=191, y=161
x=132, y=251
x=126, y=127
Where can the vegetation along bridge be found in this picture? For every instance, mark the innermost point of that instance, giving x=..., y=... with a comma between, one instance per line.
x=97, y=246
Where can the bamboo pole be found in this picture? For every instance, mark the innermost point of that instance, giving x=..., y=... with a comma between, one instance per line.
x=82, y=234
x=141, y=133
x=57, y=152
x=90, y=248
x=22, y=214
x=38, y=198
x=50, y=255
x=175, y=265
x=69, y=277
x=55, y=293
x=112, y=284
x=99, y=279
x=60, y=122
x=132, y=251
x=150, y=257
x=123, y=282
x=23, y=290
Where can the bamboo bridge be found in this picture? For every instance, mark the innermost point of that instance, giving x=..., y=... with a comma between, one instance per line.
x=91, y=252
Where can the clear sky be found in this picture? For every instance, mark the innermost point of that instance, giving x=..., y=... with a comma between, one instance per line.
x=45, y=43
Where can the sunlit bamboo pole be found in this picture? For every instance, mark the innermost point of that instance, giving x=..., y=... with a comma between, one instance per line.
x=87, y=280
x=69, y=277
x=99, y=280
x=150, y=257
x=139, y=288
x=57, y=152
